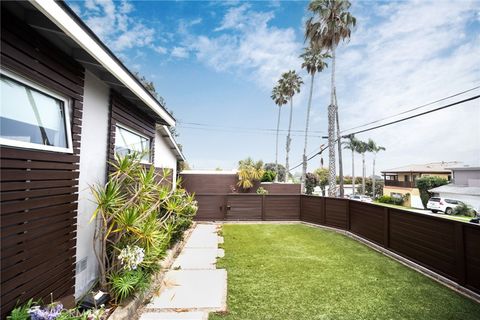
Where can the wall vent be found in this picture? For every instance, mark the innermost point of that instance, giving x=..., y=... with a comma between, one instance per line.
x=81, y=265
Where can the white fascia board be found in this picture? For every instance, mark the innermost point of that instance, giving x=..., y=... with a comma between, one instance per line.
x=70, y=27
x=173, y=142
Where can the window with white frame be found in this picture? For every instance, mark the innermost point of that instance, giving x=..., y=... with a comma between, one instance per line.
x=32, y=116
x=128, y=141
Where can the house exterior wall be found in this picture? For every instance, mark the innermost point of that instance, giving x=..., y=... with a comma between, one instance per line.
x=164, y=156
x=413, y=200
x=93, y=171
x=461, y=177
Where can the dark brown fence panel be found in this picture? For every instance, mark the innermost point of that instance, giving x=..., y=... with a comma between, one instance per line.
x=368, y=220
x=472, y=256
x=38, y=188
x=244, y=207
x=282, y=207
x=427, y=240
x=281, y=188
x=312, y=209
x=336, y=211
x=209, y=183
x=210, y=207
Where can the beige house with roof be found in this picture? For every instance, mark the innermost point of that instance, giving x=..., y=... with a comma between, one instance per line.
x=401, y=181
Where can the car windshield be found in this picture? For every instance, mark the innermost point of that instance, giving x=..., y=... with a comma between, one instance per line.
x=435, y=199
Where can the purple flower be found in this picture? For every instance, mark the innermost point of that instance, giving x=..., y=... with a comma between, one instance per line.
x=50, y=312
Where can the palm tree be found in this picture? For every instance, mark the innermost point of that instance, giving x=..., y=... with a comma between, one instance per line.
x=362, y=148
x=313, y=61
x=279, y=98
x=352, y=145
x=290, y=84
x=372, y=146
x=331, y=23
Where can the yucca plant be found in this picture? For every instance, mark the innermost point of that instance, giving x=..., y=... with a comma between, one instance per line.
x=249, y=171
x=137, y=208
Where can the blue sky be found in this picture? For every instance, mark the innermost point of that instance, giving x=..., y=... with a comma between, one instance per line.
x=216, y=62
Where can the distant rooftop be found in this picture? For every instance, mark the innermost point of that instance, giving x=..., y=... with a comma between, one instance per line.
x=437, y=167
x=456, y=189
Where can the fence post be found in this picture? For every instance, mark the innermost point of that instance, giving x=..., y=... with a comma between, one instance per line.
x=263, y=207
x=386, y=227
x=225, y=204
x=460, y=252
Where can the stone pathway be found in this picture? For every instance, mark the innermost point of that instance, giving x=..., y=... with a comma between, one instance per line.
x=193, y=286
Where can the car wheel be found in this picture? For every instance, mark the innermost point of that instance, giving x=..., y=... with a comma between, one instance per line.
x=448, y=211
x=434, y=211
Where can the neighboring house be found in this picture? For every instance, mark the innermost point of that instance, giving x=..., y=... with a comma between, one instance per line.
x=465, y=186
x=401, y=181
x=67, y=105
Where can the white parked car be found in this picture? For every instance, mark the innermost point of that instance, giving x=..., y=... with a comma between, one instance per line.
x=436, y=204
x=361, y=198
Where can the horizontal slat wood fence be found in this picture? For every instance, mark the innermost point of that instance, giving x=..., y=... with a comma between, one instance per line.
x=448, y=247
x=39, y=188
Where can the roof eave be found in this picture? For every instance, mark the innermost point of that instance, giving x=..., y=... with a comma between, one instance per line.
x=67, y=21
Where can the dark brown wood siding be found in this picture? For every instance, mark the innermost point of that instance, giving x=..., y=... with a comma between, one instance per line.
x=336, y=212
x=124, y=113
x=367, y=220
x=244, y=207
x=39, y=188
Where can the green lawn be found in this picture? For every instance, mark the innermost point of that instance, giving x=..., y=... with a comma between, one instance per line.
x=294, y=272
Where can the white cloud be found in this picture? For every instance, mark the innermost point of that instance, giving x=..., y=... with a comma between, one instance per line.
x=110, y=21
x=180, y=52
x=416, y=53
x=247, y=44
x=160, y=49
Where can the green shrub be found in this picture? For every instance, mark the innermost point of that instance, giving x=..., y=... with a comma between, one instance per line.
x=464, y=209
x=21, y=312
x=311, y=181
x=426, y=183
x=391, y=200
x=124, y=284
x=262, y=191
x=268, y=176
x=139, y=217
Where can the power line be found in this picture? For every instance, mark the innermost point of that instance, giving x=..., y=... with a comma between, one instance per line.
x=412, y=109
x=415, y=115
x=394, y=122
x=242, y=128
x=246, y=131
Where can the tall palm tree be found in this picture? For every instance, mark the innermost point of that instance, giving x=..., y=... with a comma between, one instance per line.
x=339, y=144
x=331, y=23
x=352, y=145
x=290, y=84
x=313, y=61
x=279, y=98
x=362, y=148
x=374, y=148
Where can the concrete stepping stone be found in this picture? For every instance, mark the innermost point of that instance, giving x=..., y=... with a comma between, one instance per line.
x=174, y=316
x=192, y=290
x=197, y=258
x=204, y=236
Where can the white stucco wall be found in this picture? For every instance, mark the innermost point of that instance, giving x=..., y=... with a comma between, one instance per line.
x=164, y=156
x=93, y=170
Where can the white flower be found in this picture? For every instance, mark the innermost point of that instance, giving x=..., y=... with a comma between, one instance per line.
x=131, y=257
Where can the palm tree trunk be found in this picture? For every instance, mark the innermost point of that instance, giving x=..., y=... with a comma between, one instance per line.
x=363, y=173
x=332, y=172
x=304, y=165
x=339, y=144
x=276, y=145
x=373, y=178
x=353, y=171
x=288, y=140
